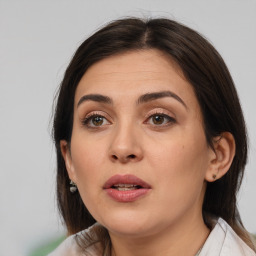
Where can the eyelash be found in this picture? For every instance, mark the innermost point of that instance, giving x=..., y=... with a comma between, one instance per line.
x=86, y=121
x=168, y=120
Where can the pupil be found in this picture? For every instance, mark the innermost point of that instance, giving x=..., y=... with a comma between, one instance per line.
x=97, y=120
x=158, y=119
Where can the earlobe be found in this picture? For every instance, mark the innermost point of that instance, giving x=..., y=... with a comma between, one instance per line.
x=66, y=154
x=224, y=152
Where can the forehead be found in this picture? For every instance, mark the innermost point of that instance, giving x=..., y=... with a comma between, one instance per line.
x=135, y=73
x=141, y=63
x=142, y=60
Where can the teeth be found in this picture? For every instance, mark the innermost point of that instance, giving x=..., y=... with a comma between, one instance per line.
x=125, y=187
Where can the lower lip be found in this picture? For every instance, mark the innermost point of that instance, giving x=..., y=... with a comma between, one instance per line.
x=128, y=195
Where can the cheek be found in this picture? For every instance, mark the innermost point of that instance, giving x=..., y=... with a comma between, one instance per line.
x=86, y=151
x=178, y=156
x=89, y=178
x=180, y=164
x=88, y=159
x=179, y=183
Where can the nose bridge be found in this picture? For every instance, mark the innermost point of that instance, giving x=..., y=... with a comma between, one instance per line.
x=125, y=144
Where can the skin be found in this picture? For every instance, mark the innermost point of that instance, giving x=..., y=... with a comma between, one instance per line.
x=170, y=154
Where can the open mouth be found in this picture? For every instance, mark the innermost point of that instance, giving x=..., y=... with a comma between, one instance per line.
x=126, y=187
x=125, y=182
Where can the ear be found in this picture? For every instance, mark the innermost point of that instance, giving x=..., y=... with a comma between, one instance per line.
x=66, y=154
x=222, y=157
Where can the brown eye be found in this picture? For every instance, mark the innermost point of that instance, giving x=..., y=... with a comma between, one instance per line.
x=157, y=119
x=97, y=120
x=160, y=120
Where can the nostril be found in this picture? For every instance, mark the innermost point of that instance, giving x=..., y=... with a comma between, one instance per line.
x=132, y=156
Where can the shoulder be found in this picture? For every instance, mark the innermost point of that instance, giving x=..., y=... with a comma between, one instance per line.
x=67, y=247
x=70, y=247
x=223, y=241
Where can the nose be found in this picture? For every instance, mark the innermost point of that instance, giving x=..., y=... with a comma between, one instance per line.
x=126, y=145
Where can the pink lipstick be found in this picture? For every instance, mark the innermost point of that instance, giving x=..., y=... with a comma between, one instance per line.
x=126, y=188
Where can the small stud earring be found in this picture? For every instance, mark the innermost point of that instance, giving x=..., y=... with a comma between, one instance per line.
x=214, y=176
x=73, y=187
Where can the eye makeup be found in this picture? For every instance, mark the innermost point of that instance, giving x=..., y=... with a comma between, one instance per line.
x=95, y=120
x=159, y=118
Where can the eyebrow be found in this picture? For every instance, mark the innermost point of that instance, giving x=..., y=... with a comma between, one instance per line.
x=95, y=97
x=142, y=99
x=158, y=95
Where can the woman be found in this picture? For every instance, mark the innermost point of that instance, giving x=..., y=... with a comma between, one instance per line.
x=151, y=145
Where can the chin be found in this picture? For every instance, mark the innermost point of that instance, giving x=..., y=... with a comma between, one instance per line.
x=135, y=230
x=129, y=224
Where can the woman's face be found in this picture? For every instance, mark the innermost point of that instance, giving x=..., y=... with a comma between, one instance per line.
x=138, y=151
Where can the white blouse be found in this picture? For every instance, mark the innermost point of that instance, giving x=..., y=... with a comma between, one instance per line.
x=222, y=241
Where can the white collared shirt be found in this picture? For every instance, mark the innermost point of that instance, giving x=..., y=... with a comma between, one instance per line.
x=222, y=241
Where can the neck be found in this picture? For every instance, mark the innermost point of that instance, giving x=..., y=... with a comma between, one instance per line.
x=185, y=238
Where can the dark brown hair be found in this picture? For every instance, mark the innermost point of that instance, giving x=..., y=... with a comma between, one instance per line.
x=207, y=73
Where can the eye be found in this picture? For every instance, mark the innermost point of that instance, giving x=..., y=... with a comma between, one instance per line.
x=160, y=119
x=95, y=121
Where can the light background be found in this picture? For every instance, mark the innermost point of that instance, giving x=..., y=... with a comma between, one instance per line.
x=37, y=41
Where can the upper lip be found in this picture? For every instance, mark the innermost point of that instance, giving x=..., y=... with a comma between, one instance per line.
x=125, y=179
